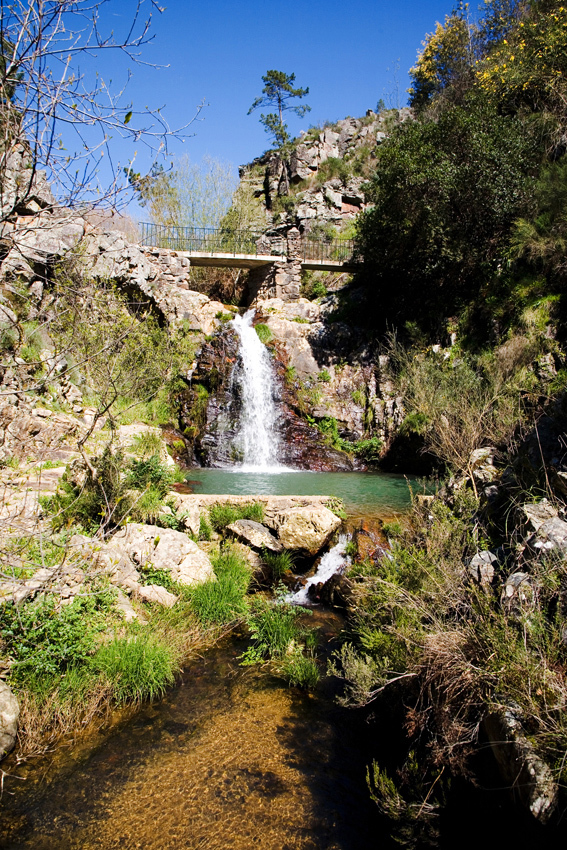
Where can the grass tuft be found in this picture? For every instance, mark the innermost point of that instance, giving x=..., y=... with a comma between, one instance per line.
x=138, y=667
x=222, y=515
x=223, y=601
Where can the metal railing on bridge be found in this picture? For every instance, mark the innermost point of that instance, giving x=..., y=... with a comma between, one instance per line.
x=325, y=249
x=218, y=240
x=207, y=240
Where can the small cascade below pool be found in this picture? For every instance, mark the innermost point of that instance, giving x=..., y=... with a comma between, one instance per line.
x=258, y=438
x=333, y=561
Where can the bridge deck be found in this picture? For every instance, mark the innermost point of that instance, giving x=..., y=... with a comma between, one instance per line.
x=220, y=260
x=254, y=261
x=248, y=249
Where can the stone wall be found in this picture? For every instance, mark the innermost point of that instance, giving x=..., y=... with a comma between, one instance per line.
x=283, y=278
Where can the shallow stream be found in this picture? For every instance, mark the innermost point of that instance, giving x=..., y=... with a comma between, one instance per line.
x=231, y=758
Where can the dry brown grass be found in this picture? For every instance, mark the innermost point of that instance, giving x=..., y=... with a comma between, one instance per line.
x=45, y=721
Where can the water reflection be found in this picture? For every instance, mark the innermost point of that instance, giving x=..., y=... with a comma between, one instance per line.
x=365, y=494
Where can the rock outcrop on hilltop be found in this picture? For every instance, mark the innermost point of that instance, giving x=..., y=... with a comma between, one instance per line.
x=321, y=182
x=41, y=234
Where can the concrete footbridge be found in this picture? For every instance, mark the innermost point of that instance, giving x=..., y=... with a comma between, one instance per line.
x=249, y=249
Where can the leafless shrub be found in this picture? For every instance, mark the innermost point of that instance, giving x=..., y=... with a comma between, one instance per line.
x=43, y=92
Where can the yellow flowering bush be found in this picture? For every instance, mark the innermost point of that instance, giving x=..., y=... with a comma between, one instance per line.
x=446, y=53
x=527, y=69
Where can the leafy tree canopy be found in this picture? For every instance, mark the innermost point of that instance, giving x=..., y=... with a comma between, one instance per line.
x=444, y=195
x=446, y=56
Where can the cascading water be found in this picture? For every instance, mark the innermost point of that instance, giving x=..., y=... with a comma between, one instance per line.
x=333, y=561
x=258, y=437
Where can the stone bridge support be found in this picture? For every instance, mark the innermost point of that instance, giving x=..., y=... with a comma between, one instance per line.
x=281, y=279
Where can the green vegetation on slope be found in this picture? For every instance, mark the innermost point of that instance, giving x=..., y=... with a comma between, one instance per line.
x=453, y=232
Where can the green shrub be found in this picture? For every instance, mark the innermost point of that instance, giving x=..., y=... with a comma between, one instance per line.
x=324, y=376
x=284, y=205
x=205, y=529
x=138, y=667
x=32, y=346
x=129, y=363
x=9, y=461
x=329, y=427
x=224, y=600
x=278, y=562
x=290, y=376
x=337, y=506
x=299, y=670
x=44, y=641
x=312, y=286
x=392, y=529
x=368, y=449
x=264, y=333
x=146, y=507
x=332, y=168
x=222, y=515
x=351, y=549
x=273, y=630
x=318, y=290
x=98, y=502
x=146, y=443
x=51, y=464
x=164, y=578
x=155, y=411
x=105, y=500
x=149, y=473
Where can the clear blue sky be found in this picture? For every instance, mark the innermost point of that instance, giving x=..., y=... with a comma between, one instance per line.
x=350, y=54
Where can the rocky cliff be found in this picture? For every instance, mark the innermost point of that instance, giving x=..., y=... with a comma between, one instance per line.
x=319, y=184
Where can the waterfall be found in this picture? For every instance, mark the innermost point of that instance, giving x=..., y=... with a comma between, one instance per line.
x=333, y=561
x=258, y=437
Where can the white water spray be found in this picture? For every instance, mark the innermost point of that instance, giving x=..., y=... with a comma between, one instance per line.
x=258, y=436
x=333, y=561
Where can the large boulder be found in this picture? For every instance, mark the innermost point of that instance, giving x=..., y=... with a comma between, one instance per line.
x=518, y=594
x=534, y=514
x=9, y=713
x=482, y=566
x=138, y=546
x=157, y=593
x=161, y=275
x=255, y=535
x=306, y=530
x=550, y=537
x=529, y=778
x=481, y=462
x=32, y=433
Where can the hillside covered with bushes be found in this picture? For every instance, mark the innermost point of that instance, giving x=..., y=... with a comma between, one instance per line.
x=463, y=285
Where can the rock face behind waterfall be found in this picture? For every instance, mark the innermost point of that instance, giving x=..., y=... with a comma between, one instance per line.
x=211, y=409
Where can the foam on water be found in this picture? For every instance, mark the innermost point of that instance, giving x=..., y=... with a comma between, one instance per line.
x=258, y=437
x=333, y=561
